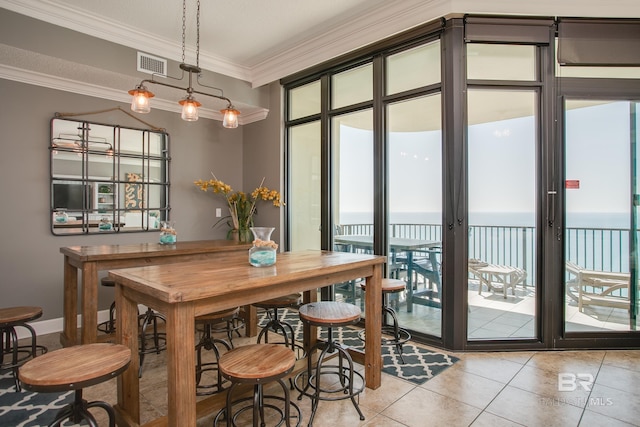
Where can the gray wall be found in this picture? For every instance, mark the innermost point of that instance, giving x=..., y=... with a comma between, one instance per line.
x=30, y=259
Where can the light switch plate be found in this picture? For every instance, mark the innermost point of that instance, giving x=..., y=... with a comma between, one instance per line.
x=218, y=212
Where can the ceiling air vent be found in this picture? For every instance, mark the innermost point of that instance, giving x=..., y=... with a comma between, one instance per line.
x=152, y=64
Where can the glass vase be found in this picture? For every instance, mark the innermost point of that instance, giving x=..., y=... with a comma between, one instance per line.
x=167, y=233
x=263, y=252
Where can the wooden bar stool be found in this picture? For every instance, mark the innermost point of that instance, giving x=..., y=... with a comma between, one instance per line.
x=209, y=342
x=109, y=327
x=276, y=325
x=74, y=368
x=258, y=364
x=10, y=319
x=399, y=336
x=329, y=314
x=159, y=339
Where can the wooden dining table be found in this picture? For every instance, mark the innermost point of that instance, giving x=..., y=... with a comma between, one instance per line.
x=186, y=290
x=89, y=260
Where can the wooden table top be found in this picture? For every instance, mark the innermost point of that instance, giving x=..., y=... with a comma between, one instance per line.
x=146, y=250
x=190, y=281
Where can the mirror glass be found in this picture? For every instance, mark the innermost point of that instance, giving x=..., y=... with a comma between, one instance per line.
x=107, y=179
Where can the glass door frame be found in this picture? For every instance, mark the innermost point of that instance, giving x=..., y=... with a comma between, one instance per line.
x=596, y=89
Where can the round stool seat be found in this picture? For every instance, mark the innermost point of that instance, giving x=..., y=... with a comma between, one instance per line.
x=256, y=363
x=105, y=281
x=290, y=300
x=389, y=286
x=11, y=315
x=218, y=316
x=330, y=313
x=392, y=334
x=75, y=367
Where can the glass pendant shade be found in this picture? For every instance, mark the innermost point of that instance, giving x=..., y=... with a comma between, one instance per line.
x=189, y=109
x=230, y=119
x=140, y=100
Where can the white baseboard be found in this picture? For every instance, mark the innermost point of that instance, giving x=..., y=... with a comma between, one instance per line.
x=53, y=326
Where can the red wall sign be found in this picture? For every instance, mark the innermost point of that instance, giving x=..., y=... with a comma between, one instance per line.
x=572, y=183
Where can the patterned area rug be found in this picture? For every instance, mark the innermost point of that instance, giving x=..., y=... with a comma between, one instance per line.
x=420, y=364
x=28, y=409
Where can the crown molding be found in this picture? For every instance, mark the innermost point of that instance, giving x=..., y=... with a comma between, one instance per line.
x=249, y=114
x=392, y=18
x=57, y=13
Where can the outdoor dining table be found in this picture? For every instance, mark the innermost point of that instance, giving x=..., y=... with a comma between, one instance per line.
x=396, y=245
x=185, y=290
x=89, y=260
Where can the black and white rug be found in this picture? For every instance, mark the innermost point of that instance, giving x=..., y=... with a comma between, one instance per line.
x=28, y=409
x=420, y=364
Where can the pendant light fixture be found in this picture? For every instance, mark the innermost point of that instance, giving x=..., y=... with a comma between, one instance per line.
x=141, y=95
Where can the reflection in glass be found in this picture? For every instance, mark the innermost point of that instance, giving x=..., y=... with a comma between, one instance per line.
x=415, y=208
x=304, y=199
x=502, y=212
x=352, y=86
x=413, y=68
x=600, y=178
x=501, y=62
x=352, y=165
x=107, y=178
x=304, y=100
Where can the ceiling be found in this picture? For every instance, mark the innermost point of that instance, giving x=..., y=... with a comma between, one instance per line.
x=260, y=41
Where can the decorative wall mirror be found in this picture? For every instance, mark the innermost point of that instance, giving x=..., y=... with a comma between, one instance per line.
x=107, y=179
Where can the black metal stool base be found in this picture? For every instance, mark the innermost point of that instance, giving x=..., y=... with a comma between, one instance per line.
x=392, y=335
x=109, y=327
x=283, y=329
x=207, y=342
x=310, y=378
x=257, y=404
x=78, y=410
x=159, y=338
x=19, y=353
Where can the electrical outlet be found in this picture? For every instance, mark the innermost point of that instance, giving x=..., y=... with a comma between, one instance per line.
x=218, y=212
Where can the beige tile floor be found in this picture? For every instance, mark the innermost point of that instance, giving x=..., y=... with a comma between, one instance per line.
x=481, y=389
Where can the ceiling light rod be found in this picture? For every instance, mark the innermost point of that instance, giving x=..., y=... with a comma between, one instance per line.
x=141, y=96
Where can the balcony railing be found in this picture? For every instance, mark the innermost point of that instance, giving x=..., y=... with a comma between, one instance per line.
x=605, y=249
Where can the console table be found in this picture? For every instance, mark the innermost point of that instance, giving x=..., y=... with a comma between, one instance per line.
x=91, y=259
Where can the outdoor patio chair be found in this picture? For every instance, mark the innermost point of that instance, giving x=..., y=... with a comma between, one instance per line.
x=600, y=288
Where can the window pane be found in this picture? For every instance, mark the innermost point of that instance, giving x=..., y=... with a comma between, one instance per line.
x=600, y=140
x=304, y=100
x=352, y=147
x=502, y=212
x=413, y=68
x=304, y=201
x=415, y=209
x=501, y=62
x=352, y=86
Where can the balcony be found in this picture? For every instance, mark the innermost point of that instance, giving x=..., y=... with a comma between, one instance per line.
x=491, y=315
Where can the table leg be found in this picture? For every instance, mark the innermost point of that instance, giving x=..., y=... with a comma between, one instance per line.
x=409, y=281
x=373, y=320
x=89, y=332
x=128, y=407
x=69, y=335
x=181, y=365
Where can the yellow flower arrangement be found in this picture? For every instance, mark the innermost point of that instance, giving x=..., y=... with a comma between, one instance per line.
x=241, y=207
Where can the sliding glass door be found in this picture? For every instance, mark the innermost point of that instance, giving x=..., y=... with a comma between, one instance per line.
x=601, y=202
